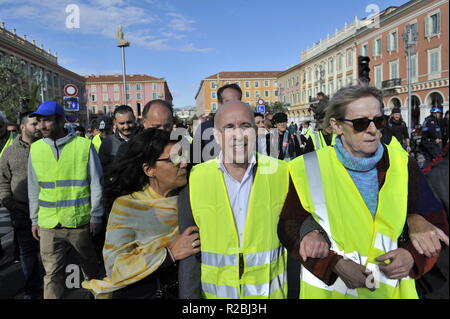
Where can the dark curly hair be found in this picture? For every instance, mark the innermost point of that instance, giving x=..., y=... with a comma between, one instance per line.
x=127, y=176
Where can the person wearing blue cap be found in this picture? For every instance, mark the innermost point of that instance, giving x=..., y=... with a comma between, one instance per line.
x=65, y=195
x=432, y=135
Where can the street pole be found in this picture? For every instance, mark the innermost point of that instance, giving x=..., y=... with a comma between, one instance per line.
x=409, y=38
x=122, y=43
x=409, y=91
x=124, y=90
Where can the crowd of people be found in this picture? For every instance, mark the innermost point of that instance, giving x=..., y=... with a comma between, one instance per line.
x=243, y=206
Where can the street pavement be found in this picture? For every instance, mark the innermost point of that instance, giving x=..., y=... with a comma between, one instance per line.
x=11, y=276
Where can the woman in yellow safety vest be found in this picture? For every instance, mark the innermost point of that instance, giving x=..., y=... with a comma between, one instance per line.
x=363, y=193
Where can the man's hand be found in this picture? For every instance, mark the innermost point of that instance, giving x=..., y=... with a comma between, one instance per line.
x=353, y=275
x=400, y=266
x=408, y=149
x=313, y=245
x=95, y=229
x=438, y=140
x=35, y=232
x=424, y=236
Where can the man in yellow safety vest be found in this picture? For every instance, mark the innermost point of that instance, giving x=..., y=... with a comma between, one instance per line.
x=64, y=194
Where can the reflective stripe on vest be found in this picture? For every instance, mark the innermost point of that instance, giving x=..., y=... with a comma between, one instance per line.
x=316, y=173
x=225, y=291
x=64, y=183
x=64, y=195
x=65, y=203
x=257, y=267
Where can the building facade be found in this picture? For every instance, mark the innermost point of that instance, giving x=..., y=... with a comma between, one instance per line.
x=429, y=56
x=44, y=66
x=254, y=85
x=332, y=62
x=290, y=87
x=185, y=114
x=105, y=92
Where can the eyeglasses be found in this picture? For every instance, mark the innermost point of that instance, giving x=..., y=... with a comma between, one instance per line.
x=362, y=124
x=175, y=159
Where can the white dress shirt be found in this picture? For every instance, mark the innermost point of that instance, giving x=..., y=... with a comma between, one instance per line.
x=239, y=195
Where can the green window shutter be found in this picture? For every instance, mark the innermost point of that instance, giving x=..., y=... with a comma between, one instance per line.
x=438, y=23
x=427, y=27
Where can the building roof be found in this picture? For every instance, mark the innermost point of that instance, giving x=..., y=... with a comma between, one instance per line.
x=292, y=68
x=244, y=75
x=118, y=78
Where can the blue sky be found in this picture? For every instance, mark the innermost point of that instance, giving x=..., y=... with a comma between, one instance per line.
x=183, y=41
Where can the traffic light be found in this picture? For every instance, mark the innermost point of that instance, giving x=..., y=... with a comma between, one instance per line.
x=363, y=69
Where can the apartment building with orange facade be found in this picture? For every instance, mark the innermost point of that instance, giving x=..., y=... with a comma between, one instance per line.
x=254, y=85
x=105, y=92
x=332, y=63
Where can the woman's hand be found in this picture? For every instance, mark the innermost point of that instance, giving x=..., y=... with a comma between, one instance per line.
x=425, y=236
x=354, y=275
x=313, y=245
x=400, y=266
x=187, y=244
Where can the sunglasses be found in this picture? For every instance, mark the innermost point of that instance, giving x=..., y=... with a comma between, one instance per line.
x=361, y=124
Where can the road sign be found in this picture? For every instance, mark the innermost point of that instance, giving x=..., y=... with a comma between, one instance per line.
x=70, y=90
x=261, y=109
x=71, y=104
x=260, y=102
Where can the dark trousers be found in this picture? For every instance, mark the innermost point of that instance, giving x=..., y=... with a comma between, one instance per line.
x=293, y=277
x=162, y=284
x=29, y=260
x=28, y=253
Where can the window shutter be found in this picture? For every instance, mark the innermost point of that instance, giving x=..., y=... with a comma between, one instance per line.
x=427, y=27
x=438, y=23
x=389, y=39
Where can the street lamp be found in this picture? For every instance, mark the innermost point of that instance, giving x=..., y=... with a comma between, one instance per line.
x=409, y=39
x=121, y=43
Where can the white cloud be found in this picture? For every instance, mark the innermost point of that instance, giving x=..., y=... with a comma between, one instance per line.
x=143, y=26
x=178, y=22
x=191, y=48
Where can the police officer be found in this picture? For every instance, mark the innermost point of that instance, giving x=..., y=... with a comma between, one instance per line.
x=432, y=135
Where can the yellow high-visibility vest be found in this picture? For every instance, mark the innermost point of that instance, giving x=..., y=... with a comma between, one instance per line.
x=319, y=141
x=97, y=142
x=8, y=143
x=64, y=196
x=395, y=143
x=327, y=191
x=257, y=268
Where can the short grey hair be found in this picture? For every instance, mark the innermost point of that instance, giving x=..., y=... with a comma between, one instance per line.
x=337, y=106
x=224, y=106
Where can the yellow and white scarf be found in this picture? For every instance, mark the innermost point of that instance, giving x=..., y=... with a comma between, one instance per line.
x=140, y=226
